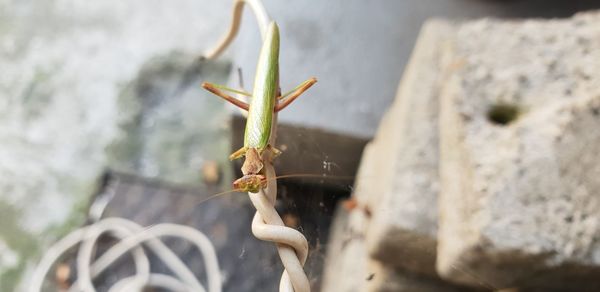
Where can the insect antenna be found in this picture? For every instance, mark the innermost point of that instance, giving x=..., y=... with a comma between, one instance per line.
x=202, y=200
x=311, y=175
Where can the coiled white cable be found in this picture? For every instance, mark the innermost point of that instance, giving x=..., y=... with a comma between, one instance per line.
x=131, y=236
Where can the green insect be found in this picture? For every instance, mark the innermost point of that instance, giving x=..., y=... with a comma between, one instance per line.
x=265, y=101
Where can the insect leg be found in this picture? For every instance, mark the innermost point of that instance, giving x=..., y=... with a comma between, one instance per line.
x=222, y=87
x=311, y=80
x=276, y=152
x=288, y=98
x=239, y=153
x=215, y=90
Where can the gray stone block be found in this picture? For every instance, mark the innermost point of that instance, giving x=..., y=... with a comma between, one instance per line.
x=350, y=269
x=399, y=172
x=520, y=171
x=346, y=268
x=398, y=179
x=390, y=279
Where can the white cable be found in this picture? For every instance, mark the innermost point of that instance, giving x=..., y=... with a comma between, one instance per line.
x=131, y=237
x=261, y=16
x=291, y=244
x=155, y=280
x=159, y=248
x=86, y=253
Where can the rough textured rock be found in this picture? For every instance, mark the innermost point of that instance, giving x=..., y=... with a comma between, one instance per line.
x=390, y=279
x=520, y=171
x=350, y=269
x=346, y=262
x=399, y=172
x=390, y=237
x=66, y=71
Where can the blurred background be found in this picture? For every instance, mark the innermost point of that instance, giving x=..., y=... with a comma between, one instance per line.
x=101, y=100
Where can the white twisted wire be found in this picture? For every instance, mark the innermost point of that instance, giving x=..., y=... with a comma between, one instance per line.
x=267, y=225
x=291, y=244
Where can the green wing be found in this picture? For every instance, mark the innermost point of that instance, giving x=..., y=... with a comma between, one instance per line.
x=266, y=85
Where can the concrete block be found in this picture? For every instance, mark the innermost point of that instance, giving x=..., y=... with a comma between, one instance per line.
x=520, y=170
x=398, y=179
x=348, y=267
x=390, y=279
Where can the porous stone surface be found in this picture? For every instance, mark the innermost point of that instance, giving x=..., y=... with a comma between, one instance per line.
x=346, y=267
x=391, y=279
x=349, y=268
x=518, y=172
x=519, y=201
x=399, y=172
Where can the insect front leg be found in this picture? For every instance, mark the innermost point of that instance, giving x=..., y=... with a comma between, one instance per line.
x=215, y=90
x=238, y=154
x=276, y=152
x=289, y=97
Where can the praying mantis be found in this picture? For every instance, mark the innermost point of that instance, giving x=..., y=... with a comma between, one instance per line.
x=265, y=101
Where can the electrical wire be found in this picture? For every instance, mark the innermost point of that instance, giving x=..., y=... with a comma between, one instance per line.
x=131, y=237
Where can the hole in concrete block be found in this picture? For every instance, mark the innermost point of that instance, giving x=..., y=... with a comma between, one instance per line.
x=503, y=113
